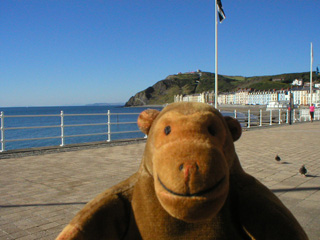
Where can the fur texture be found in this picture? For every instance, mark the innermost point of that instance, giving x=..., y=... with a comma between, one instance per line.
x=190, y=185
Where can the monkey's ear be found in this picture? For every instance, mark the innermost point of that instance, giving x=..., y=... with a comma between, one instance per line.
x=234, y=127
x=146, y=119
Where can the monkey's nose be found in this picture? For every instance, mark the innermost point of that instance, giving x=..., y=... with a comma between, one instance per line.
x=188, y=169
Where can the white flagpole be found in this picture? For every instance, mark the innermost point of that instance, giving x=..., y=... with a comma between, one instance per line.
x=311, y=63
x=216, y=58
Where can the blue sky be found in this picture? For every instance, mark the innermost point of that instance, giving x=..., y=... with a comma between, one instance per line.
x=71, y=52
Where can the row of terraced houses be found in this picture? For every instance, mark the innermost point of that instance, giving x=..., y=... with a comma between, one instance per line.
x=300, y=94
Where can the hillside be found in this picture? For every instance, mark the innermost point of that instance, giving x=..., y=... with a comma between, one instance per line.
x=189, y=83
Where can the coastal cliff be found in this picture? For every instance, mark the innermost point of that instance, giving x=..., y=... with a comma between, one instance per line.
x=164, y=90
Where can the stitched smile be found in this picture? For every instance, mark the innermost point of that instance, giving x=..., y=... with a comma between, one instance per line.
x=193, y=194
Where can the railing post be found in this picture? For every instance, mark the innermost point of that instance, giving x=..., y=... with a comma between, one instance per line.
x=260, y=117
x=304, y=115
x=109, y=127
x=270, y=117
x=300, y=116
x=62, y=129
x=248, y=118
x=279, y=116
x=2, y=132
x=235, y=113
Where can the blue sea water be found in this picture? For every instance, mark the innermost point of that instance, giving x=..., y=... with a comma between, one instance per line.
x=54, y=122
x=13, y=122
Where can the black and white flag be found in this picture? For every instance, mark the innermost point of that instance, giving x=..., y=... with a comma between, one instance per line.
x=222, y=16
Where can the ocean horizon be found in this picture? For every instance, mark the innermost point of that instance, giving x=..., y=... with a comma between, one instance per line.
x=67, y=105
x=46, y=132
x=50, y=124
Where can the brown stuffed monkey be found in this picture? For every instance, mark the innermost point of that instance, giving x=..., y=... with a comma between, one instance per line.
x=190, y=185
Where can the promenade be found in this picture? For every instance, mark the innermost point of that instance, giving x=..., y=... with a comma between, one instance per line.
x=40, y=194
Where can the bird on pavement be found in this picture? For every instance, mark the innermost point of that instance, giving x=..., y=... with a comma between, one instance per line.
x=303, y=170
x=277, y=158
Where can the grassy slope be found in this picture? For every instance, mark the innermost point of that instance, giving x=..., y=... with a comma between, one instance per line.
x=189, y=83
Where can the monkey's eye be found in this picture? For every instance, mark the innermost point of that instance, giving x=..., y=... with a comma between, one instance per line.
x=211, y=130
x=167, y=130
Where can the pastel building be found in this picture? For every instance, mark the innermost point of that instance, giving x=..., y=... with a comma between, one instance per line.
x=242, y=96
x=262, y=97
x=301, y=96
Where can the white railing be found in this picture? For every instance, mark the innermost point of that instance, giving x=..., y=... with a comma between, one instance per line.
x=62, y=127
x=258, y=118
x=248, y=118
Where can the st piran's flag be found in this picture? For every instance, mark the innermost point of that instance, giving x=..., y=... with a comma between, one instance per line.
x=222, y=16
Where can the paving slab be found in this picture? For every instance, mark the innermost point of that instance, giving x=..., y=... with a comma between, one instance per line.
x=40, y=194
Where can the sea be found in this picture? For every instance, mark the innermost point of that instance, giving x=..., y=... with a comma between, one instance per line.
x=47, y=132
x=51, y=125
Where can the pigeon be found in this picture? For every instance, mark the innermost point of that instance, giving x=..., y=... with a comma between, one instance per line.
x=277, y=158
x=303, y=170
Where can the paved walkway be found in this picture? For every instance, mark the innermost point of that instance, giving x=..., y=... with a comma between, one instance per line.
x=40, y=194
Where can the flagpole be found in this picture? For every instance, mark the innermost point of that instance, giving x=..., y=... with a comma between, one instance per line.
x=216, y=58
x=311, y=63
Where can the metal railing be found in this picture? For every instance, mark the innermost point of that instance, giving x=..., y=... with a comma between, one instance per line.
x=63, y=126
x=247, y=117
x=258, y=118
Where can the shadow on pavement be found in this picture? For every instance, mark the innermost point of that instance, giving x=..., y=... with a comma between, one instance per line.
x=295, y=189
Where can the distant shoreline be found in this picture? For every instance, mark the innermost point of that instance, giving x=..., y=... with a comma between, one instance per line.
x=224, y=107
x=147, y=106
